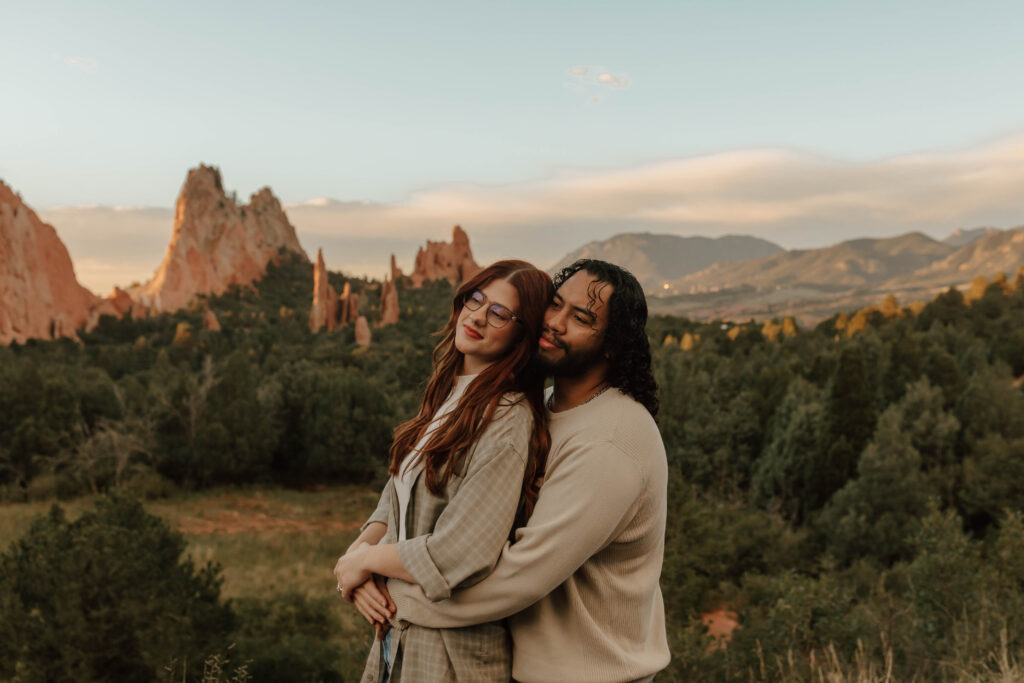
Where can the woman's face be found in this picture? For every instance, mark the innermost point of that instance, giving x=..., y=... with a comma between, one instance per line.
x=480, y=342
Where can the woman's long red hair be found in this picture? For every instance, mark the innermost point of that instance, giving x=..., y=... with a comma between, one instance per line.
x=448, y=446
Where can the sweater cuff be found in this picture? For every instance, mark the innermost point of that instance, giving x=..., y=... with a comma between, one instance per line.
x=417, y=561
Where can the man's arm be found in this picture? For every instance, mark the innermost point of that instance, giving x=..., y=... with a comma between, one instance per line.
x=583, y=505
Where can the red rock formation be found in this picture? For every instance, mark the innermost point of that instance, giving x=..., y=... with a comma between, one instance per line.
x=348, y=306
x=396, y=272
x=441, y=260
x=720, y=624
x=210, y=321
x=388, y=304
x=216, y=243
x=363, y=335
x=117, y=303
x=325, y=299
x=40, y=297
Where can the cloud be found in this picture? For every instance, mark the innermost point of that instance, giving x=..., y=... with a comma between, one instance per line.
x=798, y=200
x=582, y=75
x=613, y=80
x=81, y=63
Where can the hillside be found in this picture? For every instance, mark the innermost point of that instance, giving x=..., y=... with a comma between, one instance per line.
x=657, y=259
x=962, y=237
x=999, y=251
x=855, y=263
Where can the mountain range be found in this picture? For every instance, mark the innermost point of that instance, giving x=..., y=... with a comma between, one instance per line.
x=217, y=242
x=757, y=279
x=658, y=259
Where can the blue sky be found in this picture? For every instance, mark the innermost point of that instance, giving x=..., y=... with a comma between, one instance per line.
x=110, y=103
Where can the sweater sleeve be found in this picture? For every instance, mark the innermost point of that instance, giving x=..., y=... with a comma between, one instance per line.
x=384, y=507
x=583, y=506
x=468, y=536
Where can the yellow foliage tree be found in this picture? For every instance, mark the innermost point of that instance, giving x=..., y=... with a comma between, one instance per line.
x=859, y=321
x=976, y=290
x=891, y=307
x=182, y=335
x=688, y=342
x=770, y=330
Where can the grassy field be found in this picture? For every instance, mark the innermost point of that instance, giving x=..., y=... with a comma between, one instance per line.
x=268, y=541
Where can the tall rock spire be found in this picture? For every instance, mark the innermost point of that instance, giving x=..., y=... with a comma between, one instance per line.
x=322, y=312
x=216, y=243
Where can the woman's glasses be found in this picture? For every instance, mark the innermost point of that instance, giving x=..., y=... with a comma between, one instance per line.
x=497, y=315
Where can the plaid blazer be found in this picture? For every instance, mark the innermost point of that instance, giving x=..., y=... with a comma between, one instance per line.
x=455, y=539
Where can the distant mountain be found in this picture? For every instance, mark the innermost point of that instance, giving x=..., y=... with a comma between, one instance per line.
x=998, y=251
x=658, y=259
x=856, y=263
x=963, y=237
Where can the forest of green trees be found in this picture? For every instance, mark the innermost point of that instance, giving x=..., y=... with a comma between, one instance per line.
x=857, y=499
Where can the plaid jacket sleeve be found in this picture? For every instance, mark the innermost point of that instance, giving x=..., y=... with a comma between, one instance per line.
x=470, y=532
x=384, y=506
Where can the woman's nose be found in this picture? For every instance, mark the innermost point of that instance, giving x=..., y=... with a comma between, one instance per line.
x=479, y=316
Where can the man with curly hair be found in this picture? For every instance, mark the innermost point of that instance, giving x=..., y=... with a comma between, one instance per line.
x=579, y=583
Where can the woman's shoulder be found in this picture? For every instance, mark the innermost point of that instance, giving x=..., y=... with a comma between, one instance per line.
x=513, y=406
x=512, y=421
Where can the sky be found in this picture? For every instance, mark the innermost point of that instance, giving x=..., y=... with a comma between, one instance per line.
x=537, y=126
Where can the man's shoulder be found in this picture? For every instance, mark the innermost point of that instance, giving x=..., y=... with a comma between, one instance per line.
x=614, y=420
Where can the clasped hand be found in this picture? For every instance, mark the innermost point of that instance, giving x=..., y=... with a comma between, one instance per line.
x=367, y=591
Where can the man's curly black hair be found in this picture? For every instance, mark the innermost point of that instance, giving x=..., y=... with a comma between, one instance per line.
x=629, y=351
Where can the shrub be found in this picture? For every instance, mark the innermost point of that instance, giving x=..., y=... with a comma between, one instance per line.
x=106, y=597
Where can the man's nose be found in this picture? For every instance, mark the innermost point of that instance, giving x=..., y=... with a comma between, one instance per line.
x=555, y=320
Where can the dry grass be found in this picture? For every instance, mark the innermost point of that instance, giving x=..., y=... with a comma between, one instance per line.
x=267, y=540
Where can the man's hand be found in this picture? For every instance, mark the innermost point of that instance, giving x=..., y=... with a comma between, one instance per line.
x=351, y=570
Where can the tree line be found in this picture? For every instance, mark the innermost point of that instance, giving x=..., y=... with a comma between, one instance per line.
x=852, y=491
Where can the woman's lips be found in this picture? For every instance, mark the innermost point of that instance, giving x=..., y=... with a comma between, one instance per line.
x=471, y=333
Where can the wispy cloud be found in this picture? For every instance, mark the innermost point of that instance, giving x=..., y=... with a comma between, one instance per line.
x=82, y=63
x=798, y=200
x=597, y=77
x=614, y=81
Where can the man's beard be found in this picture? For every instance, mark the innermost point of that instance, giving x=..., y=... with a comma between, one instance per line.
x=572, y=364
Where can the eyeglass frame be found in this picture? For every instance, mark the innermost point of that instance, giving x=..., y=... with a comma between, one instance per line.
x=493, y=310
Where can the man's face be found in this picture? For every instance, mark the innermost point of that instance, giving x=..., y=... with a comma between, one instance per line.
x=572, y=341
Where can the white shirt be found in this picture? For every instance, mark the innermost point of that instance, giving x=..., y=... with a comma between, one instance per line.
x=405, y=478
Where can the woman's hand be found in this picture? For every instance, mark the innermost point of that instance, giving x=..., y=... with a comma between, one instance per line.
x=375, y=604
x=352, y=571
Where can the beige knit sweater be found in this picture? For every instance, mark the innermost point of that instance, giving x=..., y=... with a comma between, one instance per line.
x=580, y=583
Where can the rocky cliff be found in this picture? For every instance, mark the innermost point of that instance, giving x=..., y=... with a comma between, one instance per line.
x=216, y=243
x=40, y=297
x=443, y=261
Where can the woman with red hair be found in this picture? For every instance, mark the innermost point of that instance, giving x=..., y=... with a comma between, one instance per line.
x=465, y=472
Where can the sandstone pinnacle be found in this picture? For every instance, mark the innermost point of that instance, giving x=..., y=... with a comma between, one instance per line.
x=216, y=243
